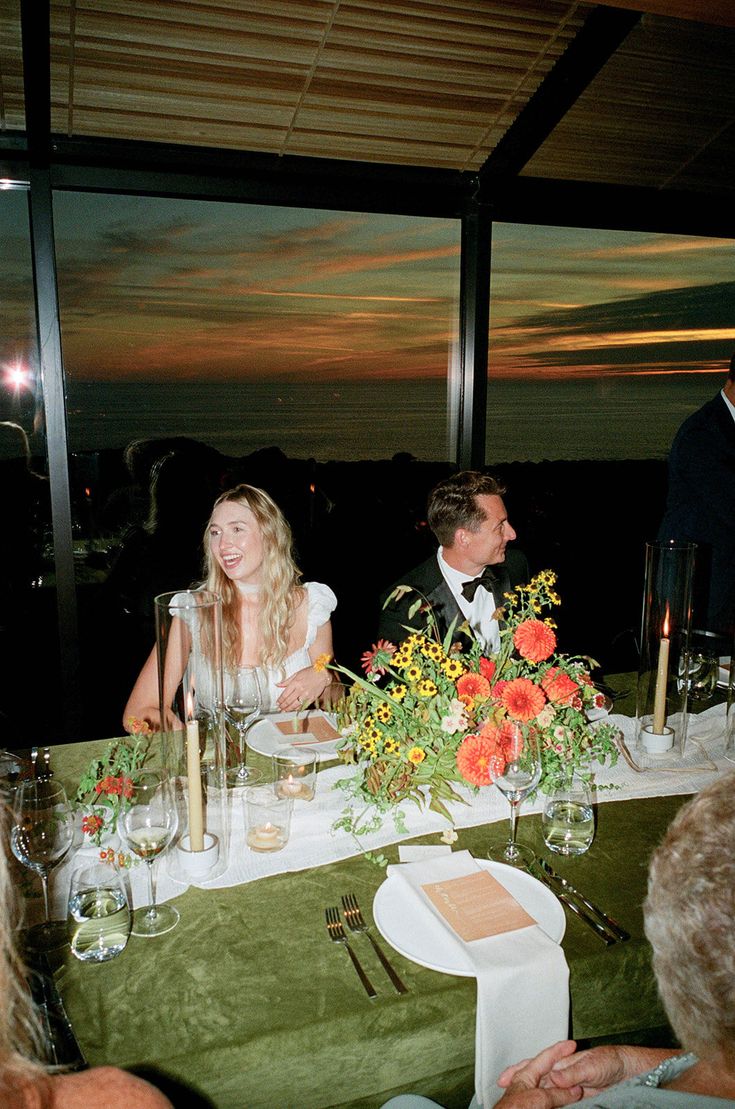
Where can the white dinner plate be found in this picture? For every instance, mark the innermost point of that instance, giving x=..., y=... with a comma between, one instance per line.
x=421, y=937
x=265, y=738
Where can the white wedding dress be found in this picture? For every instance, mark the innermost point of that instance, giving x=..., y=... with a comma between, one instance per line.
x=321, y=603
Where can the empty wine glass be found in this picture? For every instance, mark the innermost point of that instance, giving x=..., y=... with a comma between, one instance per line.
x=243, y=705
x=41, y=835
x=149, y=824
x=520, y=776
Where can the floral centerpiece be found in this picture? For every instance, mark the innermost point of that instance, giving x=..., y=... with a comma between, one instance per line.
x=430, y=714
x=106, y=784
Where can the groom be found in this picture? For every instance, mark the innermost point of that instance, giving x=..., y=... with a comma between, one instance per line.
x=468, y=575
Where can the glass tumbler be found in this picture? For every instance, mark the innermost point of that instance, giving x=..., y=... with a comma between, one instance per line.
x=99, y=913
x=568, y=819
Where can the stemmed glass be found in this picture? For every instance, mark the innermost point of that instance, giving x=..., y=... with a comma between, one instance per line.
x=520, y=777
x=148, y=825
x=41, y=835
x=243, y=705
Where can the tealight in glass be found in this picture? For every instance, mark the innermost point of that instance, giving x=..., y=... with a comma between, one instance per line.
x=294, y=773
x=267, y=818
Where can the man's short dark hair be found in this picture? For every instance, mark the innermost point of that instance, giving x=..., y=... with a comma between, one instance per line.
x=452, y=503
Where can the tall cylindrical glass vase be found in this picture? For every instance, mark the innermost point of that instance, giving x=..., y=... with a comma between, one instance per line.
x=189, y=643
x=661, y=700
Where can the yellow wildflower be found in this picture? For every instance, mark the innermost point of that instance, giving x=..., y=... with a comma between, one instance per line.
x=452, y=667
x=413, y=673
x=392, y=747
x=427, y=688
x=384, y=713
x=322, y=662
x=416, y=755
x=398, y=692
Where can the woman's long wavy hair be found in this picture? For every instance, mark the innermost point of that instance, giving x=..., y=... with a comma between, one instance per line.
x=281, y=591
x=20, y=1033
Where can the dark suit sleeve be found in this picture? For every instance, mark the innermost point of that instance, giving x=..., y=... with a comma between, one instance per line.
x=517, y=566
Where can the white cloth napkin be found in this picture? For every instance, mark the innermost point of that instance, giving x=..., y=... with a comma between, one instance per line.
x=522, y=980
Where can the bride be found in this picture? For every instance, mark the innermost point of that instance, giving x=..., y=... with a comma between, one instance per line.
x=269, y=619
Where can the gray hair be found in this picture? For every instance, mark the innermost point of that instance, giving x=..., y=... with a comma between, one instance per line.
x=689, y=913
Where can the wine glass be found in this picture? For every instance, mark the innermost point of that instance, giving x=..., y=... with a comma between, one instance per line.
x=243, y=706
x=520, y=777
x=148, y=825
x=40, y=837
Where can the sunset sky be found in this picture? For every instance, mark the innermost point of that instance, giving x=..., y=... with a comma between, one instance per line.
x=155, y=289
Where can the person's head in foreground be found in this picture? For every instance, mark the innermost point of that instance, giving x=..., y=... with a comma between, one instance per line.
x=689, y=914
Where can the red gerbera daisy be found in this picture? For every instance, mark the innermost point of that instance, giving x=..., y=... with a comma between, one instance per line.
x=375, y=661
x=558, y=686
x=487, y=668
x=534, y=640
x=523, y=699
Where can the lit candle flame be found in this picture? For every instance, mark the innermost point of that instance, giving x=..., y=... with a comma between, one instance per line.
x=189, y=707
x=667, y=624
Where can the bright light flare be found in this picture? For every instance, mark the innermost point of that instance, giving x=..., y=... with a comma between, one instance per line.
x=18, y=376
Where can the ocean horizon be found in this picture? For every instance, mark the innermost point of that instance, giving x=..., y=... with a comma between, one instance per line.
x=615, y=418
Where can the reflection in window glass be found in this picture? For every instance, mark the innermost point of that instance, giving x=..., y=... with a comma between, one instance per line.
x=206, y=344
x=601, y=342
x=326, y=334
x=28, y=626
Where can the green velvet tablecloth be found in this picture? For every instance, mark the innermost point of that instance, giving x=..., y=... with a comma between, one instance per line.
x=247, y=1003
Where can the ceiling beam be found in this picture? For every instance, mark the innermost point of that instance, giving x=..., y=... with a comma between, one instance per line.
x=594, y=44
x=719, y=12
x=35, y=22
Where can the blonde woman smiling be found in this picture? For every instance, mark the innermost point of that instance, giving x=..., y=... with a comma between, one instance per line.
x=269, y=618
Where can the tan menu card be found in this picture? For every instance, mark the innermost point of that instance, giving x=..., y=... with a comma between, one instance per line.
x=308, y=729
x=477, y=906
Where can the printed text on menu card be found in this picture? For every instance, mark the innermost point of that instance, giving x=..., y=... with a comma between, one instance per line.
x=477, y=906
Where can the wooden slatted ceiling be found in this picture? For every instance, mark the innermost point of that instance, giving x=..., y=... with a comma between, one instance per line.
x=660, y=113
x=12, y=114
x=412, y=82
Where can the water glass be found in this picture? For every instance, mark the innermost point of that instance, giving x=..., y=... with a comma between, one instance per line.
x=99, y=913
x=568, y=819
x=267, y=819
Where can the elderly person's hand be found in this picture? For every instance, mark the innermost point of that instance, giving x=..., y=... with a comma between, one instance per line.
x=302, y=689
x=527, y=1083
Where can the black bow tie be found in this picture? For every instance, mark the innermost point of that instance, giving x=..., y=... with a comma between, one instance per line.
x=488, y=579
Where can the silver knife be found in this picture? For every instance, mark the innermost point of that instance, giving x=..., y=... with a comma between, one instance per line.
x=611, y=924
x=557, y=889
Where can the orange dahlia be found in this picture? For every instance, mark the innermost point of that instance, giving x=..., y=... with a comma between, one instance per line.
x=534, y=640
x=522, y=699
x=479, y=761
x=558, y=686
x=473, y=685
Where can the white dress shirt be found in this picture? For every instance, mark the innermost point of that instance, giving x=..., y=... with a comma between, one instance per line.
x=729, y=403
x=478, y=613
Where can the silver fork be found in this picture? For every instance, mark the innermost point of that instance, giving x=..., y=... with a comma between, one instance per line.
x=356, y=923
x=337, y=934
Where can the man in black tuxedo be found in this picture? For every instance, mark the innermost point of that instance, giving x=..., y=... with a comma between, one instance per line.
x=701, y=504
x=468, y=575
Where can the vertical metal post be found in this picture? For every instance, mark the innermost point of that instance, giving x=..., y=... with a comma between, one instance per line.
x=52, y=378
x=474, y=317
x=36, y=32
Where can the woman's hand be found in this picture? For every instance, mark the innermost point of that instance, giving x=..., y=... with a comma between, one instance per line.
x=527, y=1083
x=302, y=689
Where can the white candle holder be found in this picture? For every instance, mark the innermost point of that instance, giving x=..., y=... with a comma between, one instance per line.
x=661, y=694
x=198, y=864
x=189, y=650
x=267, y=819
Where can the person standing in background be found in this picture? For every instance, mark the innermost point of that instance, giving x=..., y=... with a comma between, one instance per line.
x=700, y=506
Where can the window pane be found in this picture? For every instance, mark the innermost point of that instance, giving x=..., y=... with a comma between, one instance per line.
x=208, y=343
x=601, y=342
